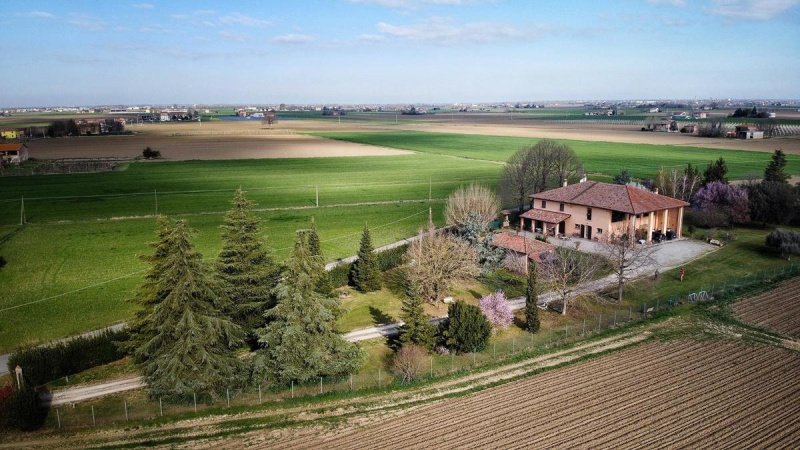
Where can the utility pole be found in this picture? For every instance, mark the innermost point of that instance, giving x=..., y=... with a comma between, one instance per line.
x=317, y=187
x=155, y=194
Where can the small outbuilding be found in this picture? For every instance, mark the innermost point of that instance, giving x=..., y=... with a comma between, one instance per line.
x=13, y=153
x=748, y=132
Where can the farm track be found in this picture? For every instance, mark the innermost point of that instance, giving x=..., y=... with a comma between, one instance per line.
x=679, y=394
x=776, y=310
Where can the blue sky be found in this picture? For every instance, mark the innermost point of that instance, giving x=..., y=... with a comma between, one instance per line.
x=387, y=51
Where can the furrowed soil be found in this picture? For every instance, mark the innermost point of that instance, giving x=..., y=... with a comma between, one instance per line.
x=777, y=310
x=676, y=394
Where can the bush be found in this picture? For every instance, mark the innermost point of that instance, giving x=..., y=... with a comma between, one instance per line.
x=23, y=409
x=465, y=329
x=43, y=364
x=409, y=362
x=388, y=259
x=3, y=262
x=149, y=153
x=784, y=242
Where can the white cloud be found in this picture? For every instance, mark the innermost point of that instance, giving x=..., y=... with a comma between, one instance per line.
x=372, y=38
x=38, y=15
x=413, y=4
x=232, y=36
x=143, y=5
x=294, y=39
x=243, y=20
x=752, y=9
x=86, y=22
x=444, y=31
x=668, y=2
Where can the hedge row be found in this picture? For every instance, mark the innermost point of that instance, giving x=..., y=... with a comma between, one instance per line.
x=43, y=364
x=387, y=259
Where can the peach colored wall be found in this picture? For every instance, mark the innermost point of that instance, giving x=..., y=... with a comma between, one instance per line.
x=601, y=218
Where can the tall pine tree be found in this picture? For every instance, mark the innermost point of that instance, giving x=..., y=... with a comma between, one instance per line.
x=531, y=297
x=246, y=269
x=324, y=285
x=300, y=342
x=182, y=343
x=416, y=328
x=365, y=273
x=775, y=169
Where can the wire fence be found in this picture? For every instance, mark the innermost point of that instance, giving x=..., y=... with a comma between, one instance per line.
x=136, y=406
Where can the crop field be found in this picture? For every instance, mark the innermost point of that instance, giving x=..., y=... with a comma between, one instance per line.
x=606, y=158
x=777, y=310
x=674, y=394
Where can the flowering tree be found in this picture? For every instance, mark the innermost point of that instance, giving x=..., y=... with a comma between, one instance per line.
x=721, y=204
x=497, y=310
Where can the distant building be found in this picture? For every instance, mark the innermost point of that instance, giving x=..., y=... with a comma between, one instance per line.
x=699, y=115
x=13, y=153
x=10, y=134
x=748, y=132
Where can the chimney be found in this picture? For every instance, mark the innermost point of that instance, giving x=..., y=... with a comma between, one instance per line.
x=656, y=190
x=565, y=182
x=583, y=178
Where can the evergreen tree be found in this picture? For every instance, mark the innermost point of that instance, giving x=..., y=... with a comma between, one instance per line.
x=183, y=344
x=775, y=169
x=300, y=342
x=246, y=269
x=312, y=242
x=416, y=328
x=466, y=329
x=531, y=296
x=716, y=171
x=365, y=273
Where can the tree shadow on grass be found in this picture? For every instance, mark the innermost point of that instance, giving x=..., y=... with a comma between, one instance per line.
x=379, y=317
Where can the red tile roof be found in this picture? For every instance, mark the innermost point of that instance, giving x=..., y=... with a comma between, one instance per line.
x=615, y=197
x=520, y=244
x=7, y=147
x=545, y=216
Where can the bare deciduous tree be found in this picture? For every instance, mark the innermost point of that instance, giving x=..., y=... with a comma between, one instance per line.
x=625, y=257
x=409, y=362
x=537, y=168
x=473, y=201
x=437, y=260
x=564, y=270
x=678, y=184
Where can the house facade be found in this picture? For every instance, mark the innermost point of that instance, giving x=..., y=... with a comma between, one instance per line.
x=597, y=211
x=13, y=153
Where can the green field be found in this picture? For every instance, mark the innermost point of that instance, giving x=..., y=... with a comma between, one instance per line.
x=75, y=264
x=607, y=158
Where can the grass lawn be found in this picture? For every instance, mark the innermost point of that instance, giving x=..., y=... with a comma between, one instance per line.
x=602, y=158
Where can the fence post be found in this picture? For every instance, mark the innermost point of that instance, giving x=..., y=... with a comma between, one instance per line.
x=259, y=394
x=566, y=331
x=473, y=356
x=94, y=422
x=584, y=327
x=380, y=385
x=58, y=417
x=228, y=396
x=494, y=351
x=160, y=408
x=658, y=302
x=351, y=381
x=452, y=357
x=431, y=366
x=292, y=388
x=599, y=319
x=615, y=318
x=513, y=345
x=126, y=410
x=320, y=381
x=194, y=397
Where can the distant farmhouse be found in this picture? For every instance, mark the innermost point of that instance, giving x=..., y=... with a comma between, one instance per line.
x=597, y=211
x=13, y=153
x=748, y=132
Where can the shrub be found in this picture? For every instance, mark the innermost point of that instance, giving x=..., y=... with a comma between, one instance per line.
x=3, y=262
x=497, y=310
x=387, y=260
x=43, y=364
x=149, y=153
x=409, y=362
x=719, y=204
x=465, y=329
x=24, y=411
x=784, y=242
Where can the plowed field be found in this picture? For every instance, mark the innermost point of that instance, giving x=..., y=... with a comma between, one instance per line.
x=777, y=310
x=680, y=394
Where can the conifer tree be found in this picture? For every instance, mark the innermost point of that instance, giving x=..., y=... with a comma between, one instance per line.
x=183, y=344
x=365, y=273
x=775, y=170
x=324, y=285
x=300, y=342
x=246, y=269
x=416, y=328
x=531, y=297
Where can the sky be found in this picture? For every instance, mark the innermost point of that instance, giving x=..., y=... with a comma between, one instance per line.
x=395, y=51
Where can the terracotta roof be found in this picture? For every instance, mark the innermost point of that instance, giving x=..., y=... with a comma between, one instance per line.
x=616, y=197
x=6, y=147
x=545, y=216
x=520, y=244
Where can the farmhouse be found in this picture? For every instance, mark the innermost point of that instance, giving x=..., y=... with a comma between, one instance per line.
x=13, y=153
x=594, y=210
x=748, y=132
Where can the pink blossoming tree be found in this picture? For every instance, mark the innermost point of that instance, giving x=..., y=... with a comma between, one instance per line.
x=497, y=310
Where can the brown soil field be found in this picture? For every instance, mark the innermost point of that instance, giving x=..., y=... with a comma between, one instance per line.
x=677, y=394
x=777, y=310
x=203, y=146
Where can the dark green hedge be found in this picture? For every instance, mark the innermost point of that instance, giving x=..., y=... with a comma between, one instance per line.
x=43, y=364
x=389, y=259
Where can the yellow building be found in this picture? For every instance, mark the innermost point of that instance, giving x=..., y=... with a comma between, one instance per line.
x=9, y=134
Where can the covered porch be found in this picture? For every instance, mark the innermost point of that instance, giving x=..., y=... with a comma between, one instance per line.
x=652, y=226
x=546, y=223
